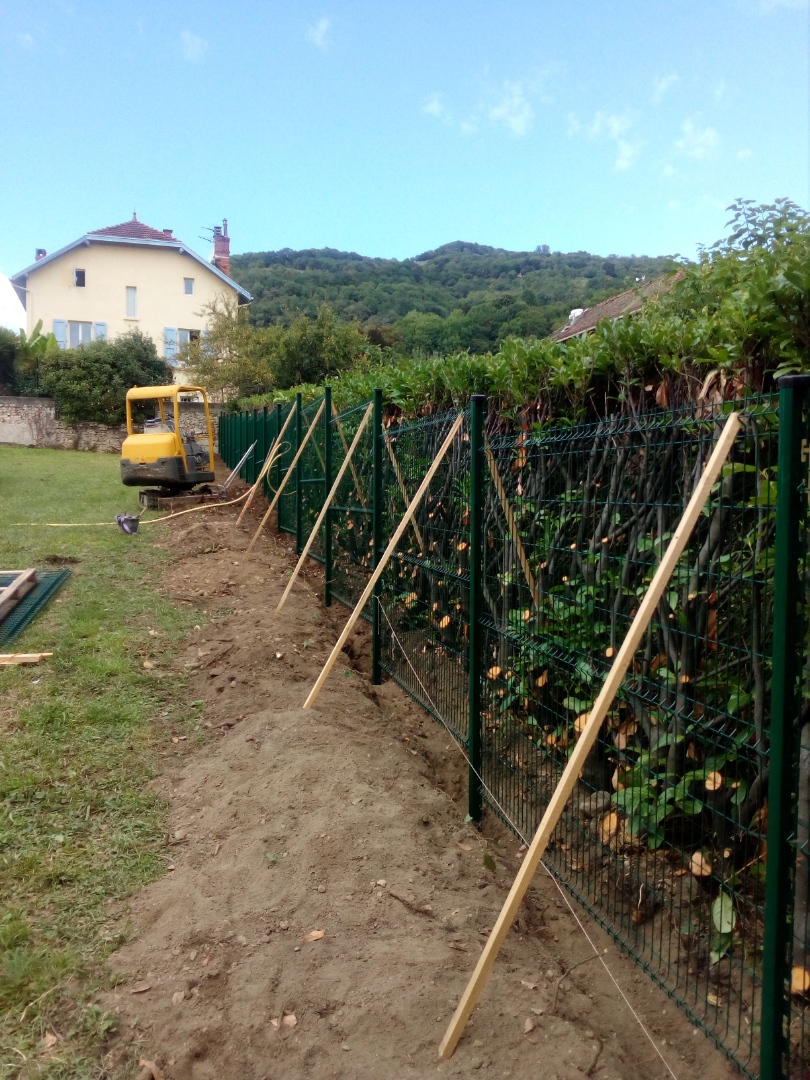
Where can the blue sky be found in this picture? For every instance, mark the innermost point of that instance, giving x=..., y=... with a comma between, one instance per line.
x=388, y=128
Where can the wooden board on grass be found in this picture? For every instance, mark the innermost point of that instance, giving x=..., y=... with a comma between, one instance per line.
x=11, y=595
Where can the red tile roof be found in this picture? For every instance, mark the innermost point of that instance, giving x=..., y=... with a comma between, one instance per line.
x=622, y=304
x=134, y=230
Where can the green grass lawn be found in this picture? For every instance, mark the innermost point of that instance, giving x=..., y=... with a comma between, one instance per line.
x=79, y=740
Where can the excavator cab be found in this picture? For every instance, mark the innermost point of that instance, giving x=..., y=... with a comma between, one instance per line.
x=170, y=453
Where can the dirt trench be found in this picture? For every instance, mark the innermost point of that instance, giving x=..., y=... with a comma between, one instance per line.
x=324, y=903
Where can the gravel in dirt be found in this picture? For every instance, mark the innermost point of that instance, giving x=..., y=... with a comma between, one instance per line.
x=324, y=903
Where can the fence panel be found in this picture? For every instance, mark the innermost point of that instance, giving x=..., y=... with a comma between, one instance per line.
x=289, y=446
x=311, y=479
x=663, y=840
x=350, y=518
x=425, y=596
x=666, y=838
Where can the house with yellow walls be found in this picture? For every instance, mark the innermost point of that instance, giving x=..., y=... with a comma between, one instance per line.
x=127, y=277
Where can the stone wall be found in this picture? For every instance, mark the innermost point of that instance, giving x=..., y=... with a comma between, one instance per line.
x=33, y=422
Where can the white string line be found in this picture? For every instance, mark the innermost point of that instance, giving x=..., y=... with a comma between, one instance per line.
x=560, y=889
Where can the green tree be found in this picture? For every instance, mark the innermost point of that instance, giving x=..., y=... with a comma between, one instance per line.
x=91, y=382
x=313, y=349
x=29, y=355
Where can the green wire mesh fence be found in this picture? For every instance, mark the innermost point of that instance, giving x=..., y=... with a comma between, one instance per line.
x=688, y=834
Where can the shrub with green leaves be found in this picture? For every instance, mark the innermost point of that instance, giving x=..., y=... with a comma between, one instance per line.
x=90, y=383
x=735, y=320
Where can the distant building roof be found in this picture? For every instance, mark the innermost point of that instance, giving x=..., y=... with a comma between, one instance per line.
x=131, y=232
x=135, y=230
x=624, y=303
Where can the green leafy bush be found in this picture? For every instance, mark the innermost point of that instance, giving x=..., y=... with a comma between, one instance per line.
x=90, y=383
x=733, y=321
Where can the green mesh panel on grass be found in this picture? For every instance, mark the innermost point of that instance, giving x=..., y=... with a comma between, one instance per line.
x=48, y=583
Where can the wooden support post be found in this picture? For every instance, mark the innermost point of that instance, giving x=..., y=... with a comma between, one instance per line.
x=283, y=483
x=514, y=532
x=404, y=490
x=12, y=594
x=611, y=685
x=324, y=508
x=381, y=565
x=342, y=434
x=266, y=466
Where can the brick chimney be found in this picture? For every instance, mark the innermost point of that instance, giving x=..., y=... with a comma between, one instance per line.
x=222, y=248
x=41, y=253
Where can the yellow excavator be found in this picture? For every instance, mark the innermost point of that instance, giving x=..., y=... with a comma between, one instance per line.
x=168, y=453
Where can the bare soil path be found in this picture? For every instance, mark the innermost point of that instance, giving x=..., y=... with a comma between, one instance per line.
x=347, y=821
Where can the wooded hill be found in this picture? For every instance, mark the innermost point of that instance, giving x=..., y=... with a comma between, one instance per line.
x=460, y=296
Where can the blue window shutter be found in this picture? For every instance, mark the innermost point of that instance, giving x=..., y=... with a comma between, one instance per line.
x=100, y=331
x=170, y=342
x=60, y=332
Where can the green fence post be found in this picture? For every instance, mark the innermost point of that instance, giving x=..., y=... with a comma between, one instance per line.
x=299, y=472
x=252, y=438
x=476, y=637
x=261, y=445
x=327, y=487
x=377, y=537
x=785, y=705
x=277, y=466
x=243, y=431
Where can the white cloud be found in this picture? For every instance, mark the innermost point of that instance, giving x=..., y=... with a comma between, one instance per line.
x=668, y=170
x=663, y=83
x=509, y=104
x=696, y=142
x=194, y=48
x=318, y=34
x=743, y=154
x=435, y=106
x=610, y=127
x=512, y=109
x=27, y=41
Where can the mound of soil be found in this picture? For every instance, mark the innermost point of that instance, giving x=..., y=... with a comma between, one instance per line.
x=324, y=903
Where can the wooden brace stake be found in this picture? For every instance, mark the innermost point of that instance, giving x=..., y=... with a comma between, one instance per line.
x=389, y=551
x=268, y=461
x=404, y=491
x=326, y=505
x=510, y=521
x=611, y=685
x=287, y=475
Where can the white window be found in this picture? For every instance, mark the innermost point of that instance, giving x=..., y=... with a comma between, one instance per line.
x=78, y=278
x=132, y=302
x=188, y=286
x=185, y=336
x=79, y=333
